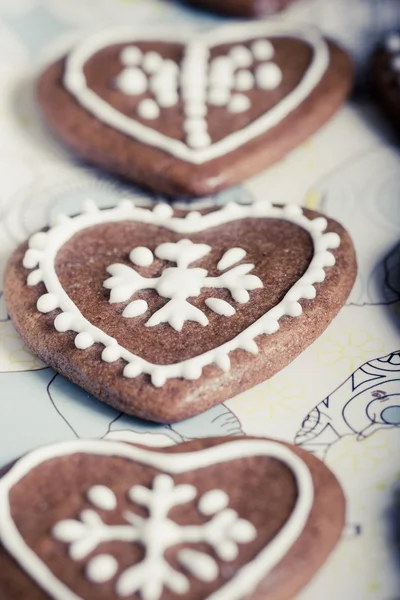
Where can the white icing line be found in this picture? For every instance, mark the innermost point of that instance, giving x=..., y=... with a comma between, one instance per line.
x=245, y=579
x=72, y=319
x=75, y=83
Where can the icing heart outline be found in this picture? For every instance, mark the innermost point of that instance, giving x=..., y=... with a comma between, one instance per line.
x=44, y=246
x=75, y=82
x=248, y=576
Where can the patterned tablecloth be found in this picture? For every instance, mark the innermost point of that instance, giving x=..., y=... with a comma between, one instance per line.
x=340, y=399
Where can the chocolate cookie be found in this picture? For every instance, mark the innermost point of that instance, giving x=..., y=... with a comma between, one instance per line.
x=191, y=117
x=385, y=76
x=164, y=316
x=242, y=8
x=249, y=518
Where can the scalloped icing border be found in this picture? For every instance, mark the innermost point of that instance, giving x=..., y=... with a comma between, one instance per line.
x=44, y=246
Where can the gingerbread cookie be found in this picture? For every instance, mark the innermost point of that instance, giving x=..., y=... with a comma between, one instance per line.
x=189, y=117
x=164, y=315
x=249, y=518
x=385, y=76
x=242, y=8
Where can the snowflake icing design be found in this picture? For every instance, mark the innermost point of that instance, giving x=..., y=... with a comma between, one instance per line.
x=181, y=282
x=156, y=533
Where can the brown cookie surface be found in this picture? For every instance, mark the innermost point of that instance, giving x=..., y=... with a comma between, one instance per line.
x=385, y=76
x=166, y=317
x=189, y=119
x=108, y=519
x=242, y=8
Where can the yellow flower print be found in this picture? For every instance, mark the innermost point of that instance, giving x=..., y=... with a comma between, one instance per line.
x=345, y=351
x=277, y=398
x=14, y=355
x=354, y=455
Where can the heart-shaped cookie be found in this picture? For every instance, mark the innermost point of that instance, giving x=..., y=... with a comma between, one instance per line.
x=249, y=518
x=191, y=115
x=164, y=315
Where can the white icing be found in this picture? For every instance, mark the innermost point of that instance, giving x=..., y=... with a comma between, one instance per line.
x=268, y=76
x=132, y=81
x=75, y=83
x=131, y=56
x=162, y=216
x=212, y=502
x=200, y=565
x=101, y=568
x=178, y=284
x=244, y=81
x=231, y=257
x=195, y=125
x=241, y=56
x=198, y=139
x=135, y=309
x=141, y=256
x=263, y=50
x=148, y=109
x=239, y=103
x=219, y=96
x=221, y=307
x=392, y=42
x=160, y=532
x=152, y=62
x=102, y=497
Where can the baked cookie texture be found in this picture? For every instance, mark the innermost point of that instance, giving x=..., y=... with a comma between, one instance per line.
x=385, y=76
x=242, y=8
x=192, y=117
x=216, y=506
x=164, y=315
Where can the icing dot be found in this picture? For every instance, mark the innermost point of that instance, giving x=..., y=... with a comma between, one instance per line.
x=241, y=56
x=111, y=354
x=102, y=497
x=132, y=81
x=221, y=66
x=152, y=62
x=84, y=340
x=63, y=322
x=148, y=109
x=131, y=56
x=141, y=256
x=224, y=362
x=35, y=277
x=158, y=378
x=192, y=125
x=268, y=76
x=167, y=99
x=262, y=50
x=221, y=307
x=170, y=67
x=198, y=139
x=31, y=258
x=38, y=240
x=219, y=96
x=47, y=303
x=212, y=502
x=393, y=42
x=135, y=309
x=163, y=211
x=239, y=103
x=244, y=81
x=243, y=531
x=101, y=568
x=195, y=109
x=132, y=370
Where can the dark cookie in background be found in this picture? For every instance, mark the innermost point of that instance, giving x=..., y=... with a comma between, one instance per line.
x=192, y=117
x=385, y=76
x=242, y=8
x=249, y=518
x=164, y=315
